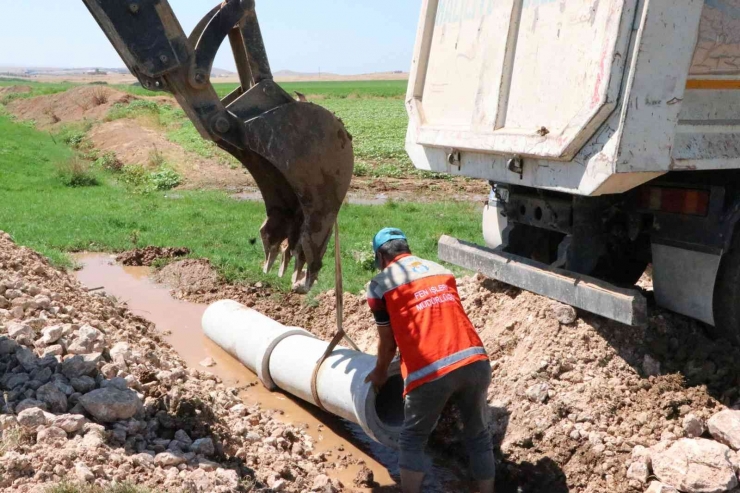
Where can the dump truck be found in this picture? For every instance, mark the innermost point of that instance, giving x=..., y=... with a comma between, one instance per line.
x=609, y=132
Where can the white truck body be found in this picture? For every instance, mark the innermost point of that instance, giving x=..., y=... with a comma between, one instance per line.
x=597, y=96
x=578, y=108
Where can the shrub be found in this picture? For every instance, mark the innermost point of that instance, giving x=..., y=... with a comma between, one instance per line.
x=139, y=180
x=156, y=159
x=99, y=96
x=74, y=139
x=165, y=178
x=365, y=259
x=11, y=439
x=135, y=177
x=109, y=161
x=362, y=169
x=76, y=172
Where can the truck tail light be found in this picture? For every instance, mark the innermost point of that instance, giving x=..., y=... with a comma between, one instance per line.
x=687, y=201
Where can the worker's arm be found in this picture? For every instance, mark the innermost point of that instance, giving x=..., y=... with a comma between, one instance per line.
x=386, y=353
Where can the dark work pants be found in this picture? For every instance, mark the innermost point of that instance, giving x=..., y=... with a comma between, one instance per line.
x=424, y=405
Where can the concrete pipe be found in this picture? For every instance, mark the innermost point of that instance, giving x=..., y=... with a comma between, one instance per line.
x=284, y=358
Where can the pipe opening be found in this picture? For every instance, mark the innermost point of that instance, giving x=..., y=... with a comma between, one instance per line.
x=389, y=402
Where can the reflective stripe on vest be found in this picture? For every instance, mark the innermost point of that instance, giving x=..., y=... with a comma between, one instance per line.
x=443, y=363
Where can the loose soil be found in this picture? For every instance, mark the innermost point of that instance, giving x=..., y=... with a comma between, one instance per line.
x=569, y=401
x=4, y=91
x=135, y=143
x=147, y=256
x=77, y=104
x=189, y=276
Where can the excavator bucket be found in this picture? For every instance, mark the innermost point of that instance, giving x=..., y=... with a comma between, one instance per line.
x=299, y=154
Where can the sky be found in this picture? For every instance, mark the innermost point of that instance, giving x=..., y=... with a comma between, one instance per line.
x=339, y=36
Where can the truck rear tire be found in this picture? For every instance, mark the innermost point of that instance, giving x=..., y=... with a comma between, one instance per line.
x=727, y=295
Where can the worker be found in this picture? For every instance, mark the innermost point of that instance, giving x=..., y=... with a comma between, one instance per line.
x=418, y=311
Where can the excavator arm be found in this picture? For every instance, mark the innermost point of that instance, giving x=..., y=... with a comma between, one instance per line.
x=299, y=154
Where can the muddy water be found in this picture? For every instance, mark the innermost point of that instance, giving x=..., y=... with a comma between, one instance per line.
x=180, y=321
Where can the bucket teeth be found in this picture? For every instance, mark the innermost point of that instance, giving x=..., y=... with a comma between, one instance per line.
x=285, y=260
x=270, y=233
x=304, y=170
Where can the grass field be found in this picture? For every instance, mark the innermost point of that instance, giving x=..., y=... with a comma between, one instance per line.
x=44, y=214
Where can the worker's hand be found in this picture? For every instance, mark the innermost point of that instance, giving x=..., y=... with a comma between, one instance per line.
x=377, y=377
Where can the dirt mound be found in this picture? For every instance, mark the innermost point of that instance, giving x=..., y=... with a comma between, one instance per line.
x=569, y=401
x=91, y=394
x=76, y=104
x=189, y=276
x=147, y=256
x=4, y=91
x=135, y=144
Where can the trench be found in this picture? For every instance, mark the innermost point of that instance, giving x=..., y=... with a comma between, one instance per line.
x=180, y=323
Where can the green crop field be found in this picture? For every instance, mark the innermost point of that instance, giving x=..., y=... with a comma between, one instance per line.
x=328, y=89
x=41, y=210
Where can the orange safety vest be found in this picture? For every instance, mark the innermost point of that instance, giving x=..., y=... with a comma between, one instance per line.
x=419, y=300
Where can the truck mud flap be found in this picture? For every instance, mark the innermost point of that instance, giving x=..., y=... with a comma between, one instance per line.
x=627, y=306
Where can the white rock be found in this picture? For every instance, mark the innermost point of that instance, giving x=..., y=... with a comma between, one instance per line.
x=538, y=392
x=71, y=423
x=207, y=465
x=7, y=422
x=50, y=435
x=658, y=487
x=167, y=459
x=696, y=466
x=208, y=362
x=639, y=471
x=50, y=335
x=89, y=334
x=323, y=484
x=121, y=349
x=143, y=459
x=32, y=418
x=15, y=330
x=53, y=350
x=725, y=428
x=42, y=301
x=565, y=314
x=83, y=473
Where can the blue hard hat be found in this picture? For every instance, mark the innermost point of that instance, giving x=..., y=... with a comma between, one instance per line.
x=385, y=235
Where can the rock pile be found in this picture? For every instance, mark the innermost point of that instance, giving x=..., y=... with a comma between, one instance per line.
x=91, y=394
x=692, y=465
